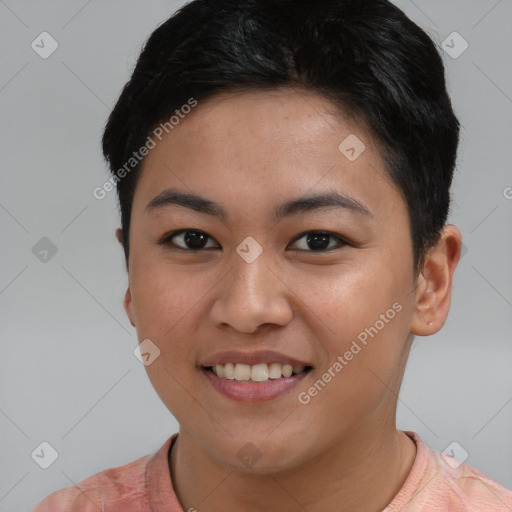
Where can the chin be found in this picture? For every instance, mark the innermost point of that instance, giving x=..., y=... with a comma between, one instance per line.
x=259, y=454
x=262, y=465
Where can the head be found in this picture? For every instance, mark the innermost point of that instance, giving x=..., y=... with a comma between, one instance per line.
x=251, y=105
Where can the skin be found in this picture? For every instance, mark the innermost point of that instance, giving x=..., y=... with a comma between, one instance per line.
x=251, y=151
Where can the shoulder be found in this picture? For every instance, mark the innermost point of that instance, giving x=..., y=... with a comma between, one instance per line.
x=121, y=485
x=458, y=486
x=470, y=487
x=440, y=483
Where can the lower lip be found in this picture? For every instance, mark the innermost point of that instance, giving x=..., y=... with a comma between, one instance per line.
x=248, y=391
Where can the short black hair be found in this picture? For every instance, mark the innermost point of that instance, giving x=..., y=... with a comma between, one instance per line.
x=366, y=56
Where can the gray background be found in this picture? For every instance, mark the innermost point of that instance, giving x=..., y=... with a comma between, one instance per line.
x=68, y=375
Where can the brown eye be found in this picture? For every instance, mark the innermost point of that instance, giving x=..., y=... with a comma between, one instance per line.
x=194, y=240
x=191, y=239
x=318, y=241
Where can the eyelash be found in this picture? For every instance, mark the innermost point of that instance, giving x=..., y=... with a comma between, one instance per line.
x=166, y=240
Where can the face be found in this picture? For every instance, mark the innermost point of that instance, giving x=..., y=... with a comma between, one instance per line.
x=327, y=285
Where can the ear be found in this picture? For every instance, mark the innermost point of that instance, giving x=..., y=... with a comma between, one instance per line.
x=434, y=284
x=128, y=306
x=119, y=235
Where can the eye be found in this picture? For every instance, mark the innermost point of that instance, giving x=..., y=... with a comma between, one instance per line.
x=192, y=239
x=195, y=240
x=318, y=240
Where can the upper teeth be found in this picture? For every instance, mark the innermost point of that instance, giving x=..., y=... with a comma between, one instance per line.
x=256, y=372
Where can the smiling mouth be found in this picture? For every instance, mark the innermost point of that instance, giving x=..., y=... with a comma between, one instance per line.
x=262, y=372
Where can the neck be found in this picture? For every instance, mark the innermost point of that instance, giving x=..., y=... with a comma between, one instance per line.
x=363, y=471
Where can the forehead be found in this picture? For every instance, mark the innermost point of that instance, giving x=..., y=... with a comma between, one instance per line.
x=259, y=148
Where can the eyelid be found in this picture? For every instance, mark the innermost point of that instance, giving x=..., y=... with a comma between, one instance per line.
x=166, y=240
x=341, y=239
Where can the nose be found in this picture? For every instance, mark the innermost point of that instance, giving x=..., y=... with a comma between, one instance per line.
x=252, y=295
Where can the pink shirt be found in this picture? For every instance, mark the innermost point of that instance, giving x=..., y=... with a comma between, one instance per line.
x=435, y=484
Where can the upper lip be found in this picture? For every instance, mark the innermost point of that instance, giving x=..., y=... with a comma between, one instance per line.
x=238, y=356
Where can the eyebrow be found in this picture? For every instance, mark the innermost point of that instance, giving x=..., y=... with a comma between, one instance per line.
x=327, y=199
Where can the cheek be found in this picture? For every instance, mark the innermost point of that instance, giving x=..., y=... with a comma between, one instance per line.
x=168, y=306
x=367, y=313
x=349, y=299
x=364, y=370
x=163, y=297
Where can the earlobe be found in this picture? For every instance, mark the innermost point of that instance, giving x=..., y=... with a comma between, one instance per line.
x=128, y=306
x=434, y=286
